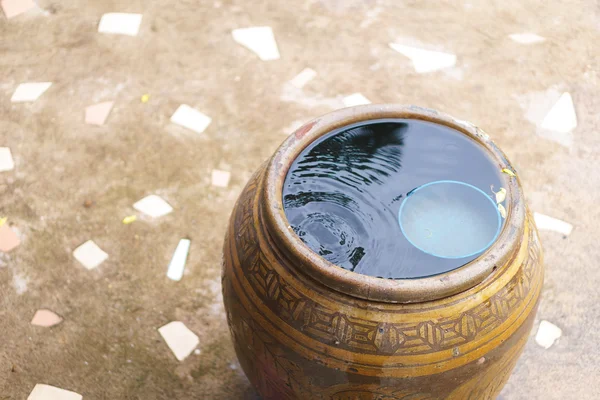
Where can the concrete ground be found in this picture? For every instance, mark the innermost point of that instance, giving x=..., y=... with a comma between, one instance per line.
x=108, y=346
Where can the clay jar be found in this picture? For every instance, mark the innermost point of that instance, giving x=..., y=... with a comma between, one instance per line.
x=304, y=328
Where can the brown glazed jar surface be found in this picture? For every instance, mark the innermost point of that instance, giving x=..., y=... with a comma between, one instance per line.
x=306, y=329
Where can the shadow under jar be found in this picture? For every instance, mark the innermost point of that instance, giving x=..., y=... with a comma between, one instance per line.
x=382, y=253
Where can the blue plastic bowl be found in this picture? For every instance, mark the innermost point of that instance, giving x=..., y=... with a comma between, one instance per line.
x=450, y=219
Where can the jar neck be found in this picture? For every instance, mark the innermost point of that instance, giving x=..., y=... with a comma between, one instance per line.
x=305, y=261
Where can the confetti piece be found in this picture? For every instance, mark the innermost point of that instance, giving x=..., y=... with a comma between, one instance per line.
x=177, y=264
x=500, y=195
x=425, y=60
x=129, y=219
x=305, y=76
x=191, y=118
x=547, y=334
x=526, y=38
x=145, y=98
x=509, y=172
x=502, y=211
x=179, y=338
x=8, y=239
x=47, y=392
x=258, y=39
x=355, y=99
x=90, y=255
x=12, y=8
x=120, y=23
x=3, y=220
x=6, y=161
x=153, y=206
x=546, y=223
x=220, y=178
x=29, y=91
x=98, y=113
x=562, y=117
x=45, y=318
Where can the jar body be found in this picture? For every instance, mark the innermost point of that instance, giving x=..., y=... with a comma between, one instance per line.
x=297, y=338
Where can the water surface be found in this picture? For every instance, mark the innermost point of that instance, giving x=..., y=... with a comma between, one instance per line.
x=343, y=193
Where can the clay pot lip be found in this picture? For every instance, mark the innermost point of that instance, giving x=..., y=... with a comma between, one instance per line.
x=367, y=287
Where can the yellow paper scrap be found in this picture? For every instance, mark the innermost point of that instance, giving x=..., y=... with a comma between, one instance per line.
x=502, y=210
x=145, y=98
x=3, y=220
x=500, y=195
x=508, y=172
x=129, y=219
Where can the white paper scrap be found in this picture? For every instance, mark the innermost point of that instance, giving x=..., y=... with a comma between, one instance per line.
x=526, y=38
x=46, y=318
x=6, y=161
x=355, y=99
x=177, y=264
x=220, y=178
x=98, y=113
x=29, y=91
x=12, y=8
x=258, y=39
x=90, y=255
x=305, y=76
x=153, y=206
x=425, y=60
x=179, y=338
x=191, y=118
x=47, y=392
x=547, y=223
x=547, y=334
x=120, y=23
x=562, y=117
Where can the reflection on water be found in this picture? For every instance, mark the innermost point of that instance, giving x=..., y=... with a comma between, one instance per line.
x=343, y=192
x=358, y=157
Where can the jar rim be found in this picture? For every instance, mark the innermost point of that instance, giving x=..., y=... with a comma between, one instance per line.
x=412, y=290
